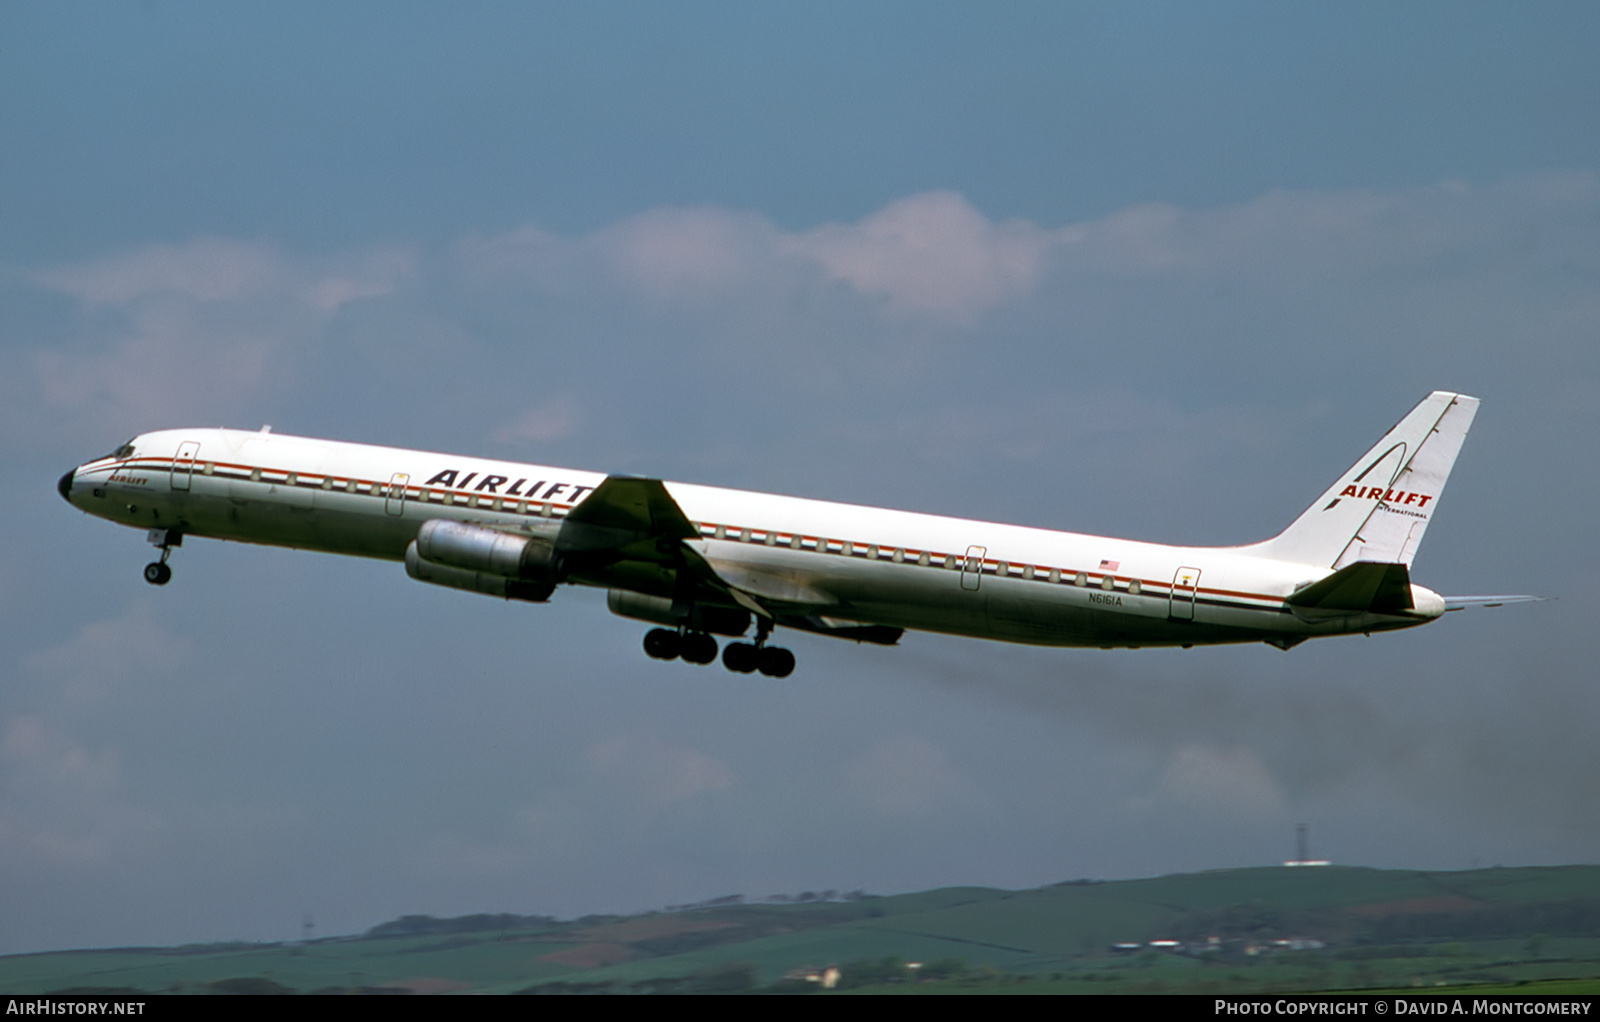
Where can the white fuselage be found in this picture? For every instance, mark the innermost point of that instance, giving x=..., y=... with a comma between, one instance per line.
x=851, y=564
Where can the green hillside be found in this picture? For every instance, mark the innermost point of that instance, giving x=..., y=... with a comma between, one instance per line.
x=1230, y=930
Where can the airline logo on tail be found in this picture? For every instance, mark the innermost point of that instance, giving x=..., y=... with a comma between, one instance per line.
x=1387, y=496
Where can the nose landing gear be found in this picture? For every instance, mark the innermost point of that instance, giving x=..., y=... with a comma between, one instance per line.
x=156, y=572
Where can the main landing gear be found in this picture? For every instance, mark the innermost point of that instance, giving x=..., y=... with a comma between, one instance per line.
x=740, y=657
x=693, y=647
x=156, y=572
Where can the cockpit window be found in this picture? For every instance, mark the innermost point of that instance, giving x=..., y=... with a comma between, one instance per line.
x=125, y=451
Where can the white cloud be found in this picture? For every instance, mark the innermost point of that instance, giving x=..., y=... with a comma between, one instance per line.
x=169, y=363
x=176, y=333
x=931, y=253
x=935, y=257
x=195, y=331
x=688, y=255
x=374, y=274
x=205, y=269
x=104, y=655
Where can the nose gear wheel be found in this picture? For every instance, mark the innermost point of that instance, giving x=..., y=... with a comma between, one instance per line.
x=156, y=572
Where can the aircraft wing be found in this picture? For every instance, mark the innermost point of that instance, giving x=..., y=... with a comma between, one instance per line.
x=637, y=520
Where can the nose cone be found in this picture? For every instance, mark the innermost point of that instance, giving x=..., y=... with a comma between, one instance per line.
x=65, y=486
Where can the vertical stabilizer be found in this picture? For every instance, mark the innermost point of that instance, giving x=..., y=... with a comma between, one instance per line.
x=1379, y=509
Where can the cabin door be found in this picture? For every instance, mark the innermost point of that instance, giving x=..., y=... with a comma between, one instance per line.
x=1184, y=585
x=972, y=567
x=183, y=464
x=394, y=502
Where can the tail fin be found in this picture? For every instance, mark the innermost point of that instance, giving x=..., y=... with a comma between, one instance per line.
x=1379, y=509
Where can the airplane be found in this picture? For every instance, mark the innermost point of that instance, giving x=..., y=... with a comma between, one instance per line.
x=700, y=561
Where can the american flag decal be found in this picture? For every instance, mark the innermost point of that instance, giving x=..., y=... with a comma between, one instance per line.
x=1110, y=565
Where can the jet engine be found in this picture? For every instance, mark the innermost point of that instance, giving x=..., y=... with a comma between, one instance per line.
x=486, y=561
x=660, y=610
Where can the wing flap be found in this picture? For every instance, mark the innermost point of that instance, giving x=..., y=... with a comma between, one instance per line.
x=771, y=588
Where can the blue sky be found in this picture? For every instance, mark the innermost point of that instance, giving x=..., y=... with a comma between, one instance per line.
x=1158, y=270
x=321, y=123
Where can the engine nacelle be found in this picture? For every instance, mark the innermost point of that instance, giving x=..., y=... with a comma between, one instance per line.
x=480, y=560
x=474, y=548
x=424, y=570
x=659, y=610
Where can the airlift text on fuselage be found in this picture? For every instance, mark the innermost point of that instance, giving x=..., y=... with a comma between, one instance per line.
x=491, y=484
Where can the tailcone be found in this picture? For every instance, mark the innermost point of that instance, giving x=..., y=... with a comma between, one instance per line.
x=1426, y=603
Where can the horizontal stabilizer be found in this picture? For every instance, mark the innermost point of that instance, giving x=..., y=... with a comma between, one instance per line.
x=1363, y=587
x=1462, y=602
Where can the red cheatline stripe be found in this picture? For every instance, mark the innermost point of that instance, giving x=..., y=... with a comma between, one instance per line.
x=936, y=560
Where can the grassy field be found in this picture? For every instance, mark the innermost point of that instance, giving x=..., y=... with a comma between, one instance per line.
x=1240, y=931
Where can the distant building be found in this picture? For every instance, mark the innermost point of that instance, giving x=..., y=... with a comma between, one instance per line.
x=1303, y=849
